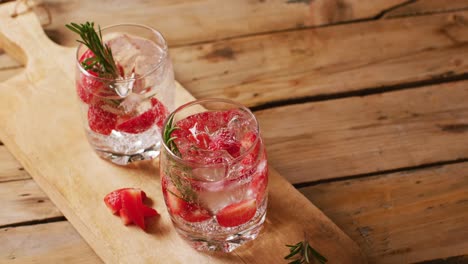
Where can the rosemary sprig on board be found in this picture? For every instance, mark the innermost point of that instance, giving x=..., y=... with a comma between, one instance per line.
x=103, y=62
x=304, y=253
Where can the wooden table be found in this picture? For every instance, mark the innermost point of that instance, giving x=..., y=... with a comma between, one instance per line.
x=363, y=106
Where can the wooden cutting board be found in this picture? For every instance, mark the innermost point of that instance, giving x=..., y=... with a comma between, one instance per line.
x=41, y=126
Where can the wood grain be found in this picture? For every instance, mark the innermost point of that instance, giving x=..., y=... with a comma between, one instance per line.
x=46, y=243
x=10, y=168
x=23, y=201
x=427, y=7
x=374, y=133
x=299, y=64
x=76, y=180
x=401, y=217
x=184, y=22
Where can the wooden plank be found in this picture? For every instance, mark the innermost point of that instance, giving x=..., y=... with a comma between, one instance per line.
x=46, y=243
x=368, y=134
x=401, y=217
x=10, y=168
x=7, y=62
x=184, y=22
x=8, y=68
x=290, y=65
x=427, y=7
x=76, y=180
x=6, y=74
x=23, y=201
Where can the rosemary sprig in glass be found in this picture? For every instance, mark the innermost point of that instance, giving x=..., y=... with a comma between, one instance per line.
x=103, y=62
x=304, y=253
x=168, y=140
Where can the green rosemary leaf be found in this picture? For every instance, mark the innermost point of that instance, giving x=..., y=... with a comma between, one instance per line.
x=104, y=64
x=168, y=139
x=293, y=252
x=303, y=253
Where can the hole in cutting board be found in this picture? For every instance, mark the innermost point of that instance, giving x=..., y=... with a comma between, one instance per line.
x=9, y=67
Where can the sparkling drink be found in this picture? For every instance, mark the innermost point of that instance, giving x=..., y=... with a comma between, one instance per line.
x=123, y=115
x=214, y=174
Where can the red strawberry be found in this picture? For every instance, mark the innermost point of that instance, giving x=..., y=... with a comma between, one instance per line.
x=125, y=217
x=143, y=122
x=226, y=141
x=87, y=85
x=259, y=184
x=132, y=206
x=161, y=111
x=149, y=212
x=237, y=213
x=247, y=142
x=113, y=201
x=101, y=121
x=188, y=211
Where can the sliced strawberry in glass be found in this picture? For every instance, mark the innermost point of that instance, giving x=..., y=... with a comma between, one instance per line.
x=194, y=213
x=259, y=184
x=87, y=85
x=132, y=206
x=161, y=111
x=225, y=141
x=155, y=115
x=101, y=121
x=190, y=212
x=247, y=141
x=237, y=213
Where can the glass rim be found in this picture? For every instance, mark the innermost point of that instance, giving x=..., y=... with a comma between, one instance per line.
x=156, y=67
x=199, y=102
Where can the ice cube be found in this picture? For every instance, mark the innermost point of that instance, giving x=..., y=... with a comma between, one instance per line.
x=131, y=102
x=138, y=57
x=124, y=52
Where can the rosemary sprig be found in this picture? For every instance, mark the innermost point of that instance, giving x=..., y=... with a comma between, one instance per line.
x=304, y=253
x=103, y=62
x=168, y=140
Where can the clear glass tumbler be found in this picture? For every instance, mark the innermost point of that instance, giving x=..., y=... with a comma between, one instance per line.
x=214, y=174
x=123, y=116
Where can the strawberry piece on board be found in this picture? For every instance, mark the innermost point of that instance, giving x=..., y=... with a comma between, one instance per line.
x=113, y=201
x=132, y=206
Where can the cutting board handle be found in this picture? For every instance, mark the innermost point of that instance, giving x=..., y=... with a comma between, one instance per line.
x=18, y=31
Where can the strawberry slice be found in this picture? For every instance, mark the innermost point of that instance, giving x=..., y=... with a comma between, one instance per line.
x=101, y=121
x=149, y=212
x=113, y=201
x=143, y=122
x=125, y=217
x=87, y=85
x=237, y=213
x=132, y=207
x=226, y=141
x=190, y=212
x=259, y=184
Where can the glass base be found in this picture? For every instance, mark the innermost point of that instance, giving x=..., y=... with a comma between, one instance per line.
x=125, y=159
x=224, y=244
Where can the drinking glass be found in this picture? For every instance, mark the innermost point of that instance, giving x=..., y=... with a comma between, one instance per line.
x=214, y=174
x=123, y=116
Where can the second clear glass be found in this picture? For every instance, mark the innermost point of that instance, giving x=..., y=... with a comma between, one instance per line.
x=214, y=174
x=123, y=116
